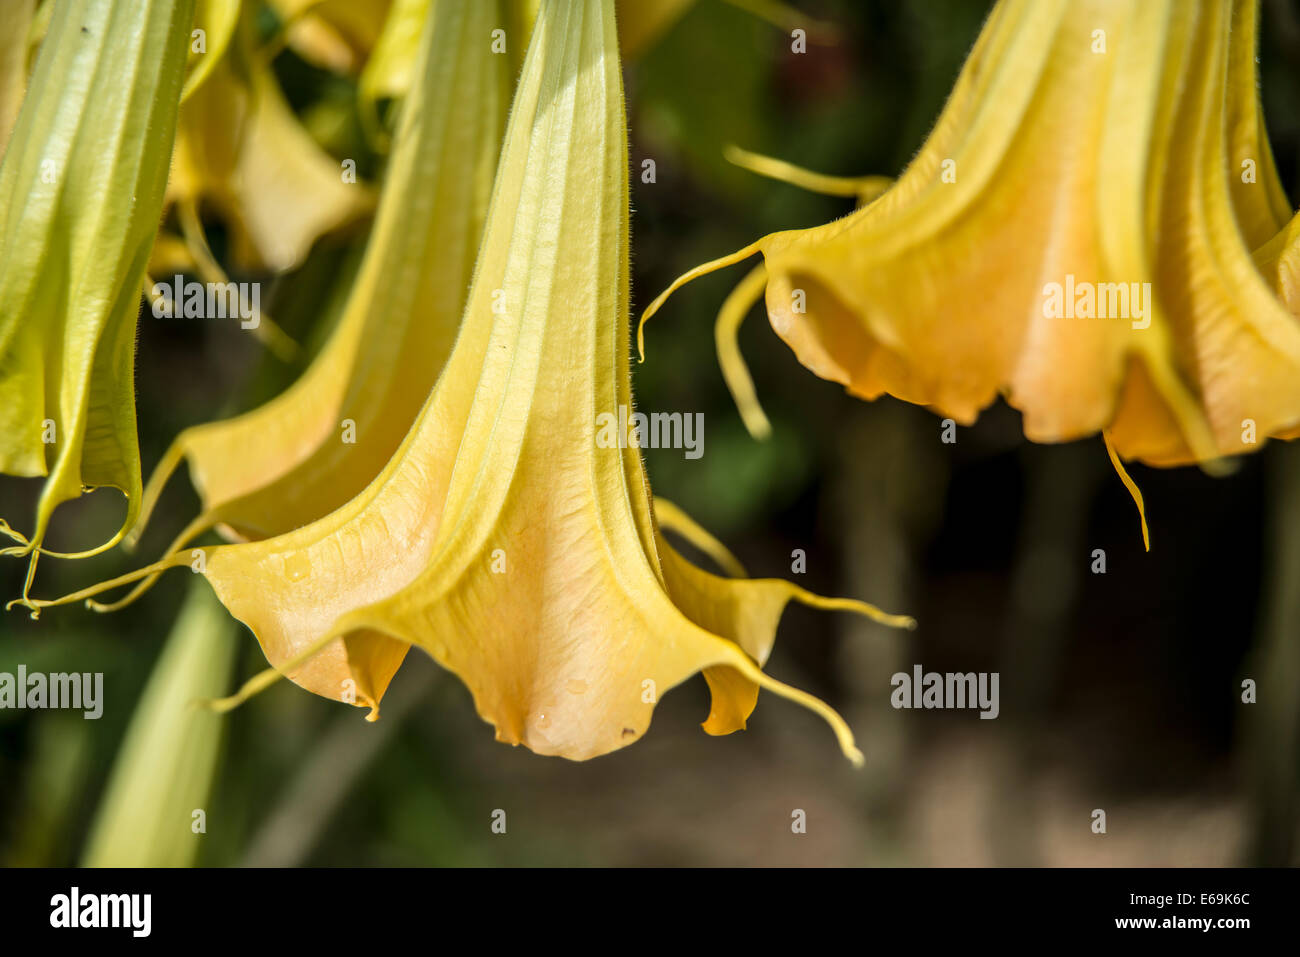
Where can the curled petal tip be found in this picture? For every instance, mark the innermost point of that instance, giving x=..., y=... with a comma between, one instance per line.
x=640, y=331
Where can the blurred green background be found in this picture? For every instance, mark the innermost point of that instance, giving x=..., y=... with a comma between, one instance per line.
x=1118, y=691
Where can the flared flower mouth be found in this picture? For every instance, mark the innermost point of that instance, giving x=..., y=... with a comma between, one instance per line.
x=1076, y=235
x=502, y=537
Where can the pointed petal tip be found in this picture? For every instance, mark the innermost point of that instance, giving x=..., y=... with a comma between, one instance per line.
x=712, y=726
x=1129, y=484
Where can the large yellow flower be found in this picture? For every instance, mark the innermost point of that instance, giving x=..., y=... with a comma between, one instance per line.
x=1075, y=235
x=504, y=538
x=320, y=443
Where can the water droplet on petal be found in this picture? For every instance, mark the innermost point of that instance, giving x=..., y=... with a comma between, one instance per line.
x=297, y=567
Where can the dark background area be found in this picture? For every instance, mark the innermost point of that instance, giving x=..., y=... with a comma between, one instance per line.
x=1118, y=691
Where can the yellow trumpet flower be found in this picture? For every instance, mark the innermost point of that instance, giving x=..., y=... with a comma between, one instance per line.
x=504, y=538
x=1075, y=236
x=320, y=443
x=81, y=192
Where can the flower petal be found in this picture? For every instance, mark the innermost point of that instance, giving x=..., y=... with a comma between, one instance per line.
x=1090, y=141
x=81, y=192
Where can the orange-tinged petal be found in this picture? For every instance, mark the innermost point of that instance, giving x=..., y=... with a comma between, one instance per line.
x=1094, y=142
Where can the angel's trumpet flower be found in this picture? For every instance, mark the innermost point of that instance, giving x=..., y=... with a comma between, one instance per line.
x=81, y=192
x=1075, y=235
x=313, y=448
x=503, y=538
